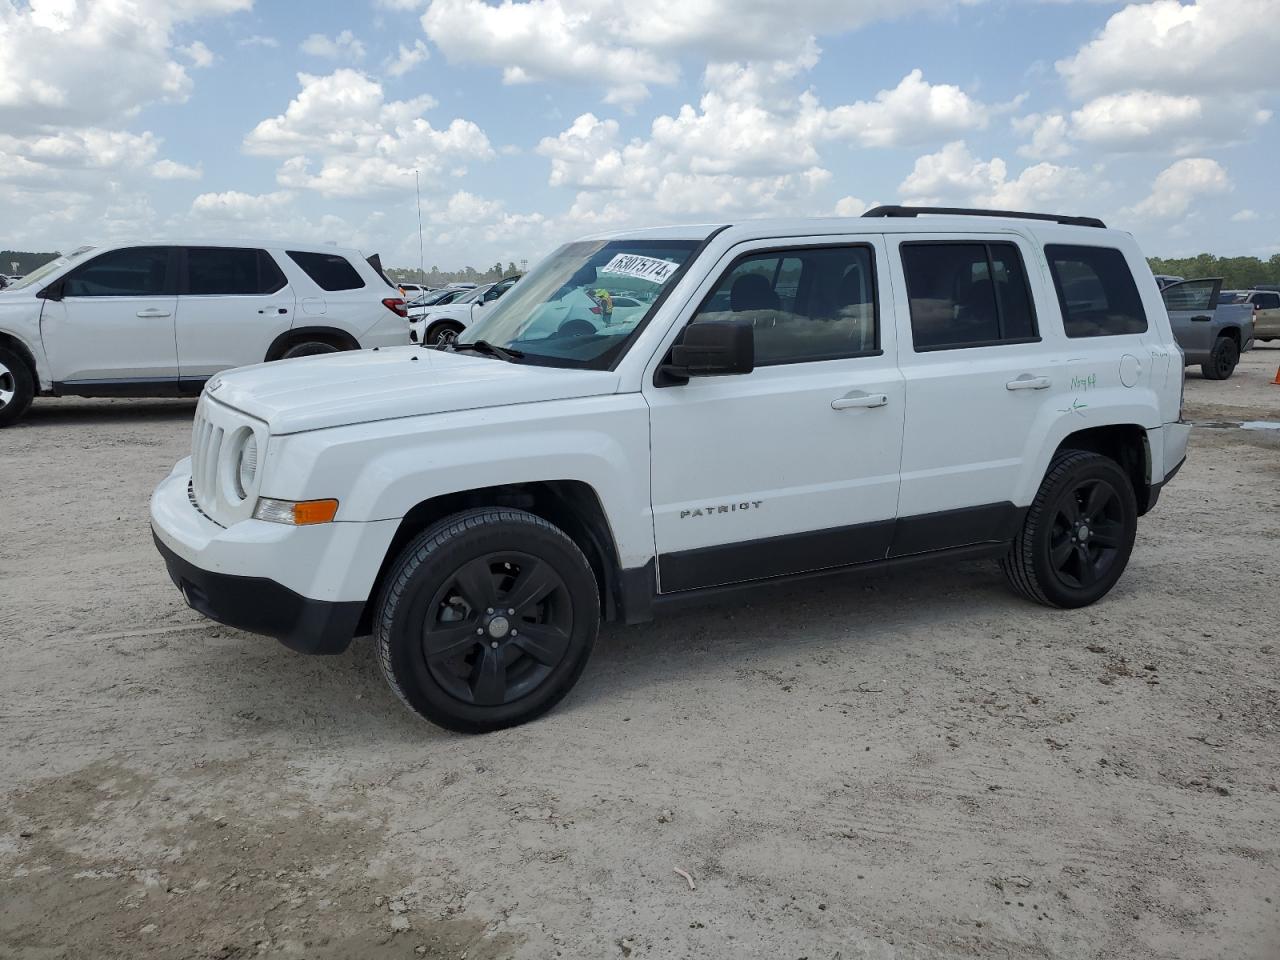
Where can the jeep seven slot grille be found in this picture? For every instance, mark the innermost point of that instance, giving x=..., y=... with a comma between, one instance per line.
x=206, y=445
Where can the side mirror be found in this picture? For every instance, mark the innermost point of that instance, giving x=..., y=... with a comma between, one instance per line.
x=715, y=348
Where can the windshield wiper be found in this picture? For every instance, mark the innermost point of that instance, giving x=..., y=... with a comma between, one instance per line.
x=484, y=346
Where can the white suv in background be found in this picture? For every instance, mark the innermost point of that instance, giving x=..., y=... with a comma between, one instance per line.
x=133, y=320
x=798, y=397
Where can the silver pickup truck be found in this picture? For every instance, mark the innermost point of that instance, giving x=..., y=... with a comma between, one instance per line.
x=1210, y=333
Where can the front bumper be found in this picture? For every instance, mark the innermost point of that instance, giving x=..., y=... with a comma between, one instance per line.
x=306, y=586
x=264, y=606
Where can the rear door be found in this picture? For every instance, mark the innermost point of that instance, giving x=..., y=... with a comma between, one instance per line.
x=982, y=378
x=233, y=302
x=1191, y=305
x=115, y=320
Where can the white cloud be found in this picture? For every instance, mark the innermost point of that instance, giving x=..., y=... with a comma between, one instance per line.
x=341, y=137
x=407, y=58
x=97, y=62
x=626, y=48
x=55, y=158
x=1172, y=47
x=198, y=54
x=955, y=175
x=914, y=112
x=345, y=46
x=1048, y=136
x=259, y=40
x=238, y=206
x=171, y=170
x=851, y=207
x=1245, y=216
x=1144, y=119
x=1179, y=185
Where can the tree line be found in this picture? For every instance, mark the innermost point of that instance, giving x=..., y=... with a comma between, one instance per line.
x=435, y=277
x=26, y=262
x=1238, y=273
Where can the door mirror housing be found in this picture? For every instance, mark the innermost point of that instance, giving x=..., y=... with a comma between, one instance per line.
x=714, y=348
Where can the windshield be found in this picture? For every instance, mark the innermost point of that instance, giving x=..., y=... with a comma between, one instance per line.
x=471, y=296
x=39, y=273
x=582, y=305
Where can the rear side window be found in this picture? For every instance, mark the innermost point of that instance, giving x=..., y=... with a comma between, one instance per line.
x=231, y=271
x=1267, y=301
x=967, y=294
x=809, y=304
x=135, y=272
x=330, y=271
x=1096, y=291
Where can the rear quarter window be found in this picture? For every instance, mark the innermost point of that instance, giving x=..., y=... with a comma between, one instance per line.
x=330, y=271
x=1096, y=291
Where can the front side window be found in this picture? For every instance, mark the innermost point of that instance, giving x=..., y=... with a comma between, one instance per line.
x=564, y=312
x=1192, y=295
x=330, y=271
x=133, y=272
x=1096, y=291
x=967, y=294
x=231, y=271
x=806, y=304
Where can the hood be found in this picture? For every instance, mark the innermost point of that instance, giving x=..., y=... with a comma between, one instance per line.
x=361, y=386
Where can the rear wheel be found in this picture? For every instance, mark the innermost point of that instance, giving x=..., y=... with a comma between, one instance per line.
x=1222, y=360
x=487, y=619
x=17, y=387
x=1078, y=534
x=308, y=348
x=442, y=333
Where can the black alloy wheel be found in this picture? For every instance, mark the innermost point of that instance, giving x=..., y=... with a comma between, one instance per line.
x=1088, y=532
x=497, y=628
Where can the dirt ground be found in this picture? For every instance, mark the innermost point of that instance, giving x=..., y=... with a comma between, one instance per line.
x=883, y=768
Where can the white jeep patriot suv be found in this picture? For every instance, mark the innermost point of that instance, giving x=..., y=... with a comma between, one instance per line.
x=799, y=396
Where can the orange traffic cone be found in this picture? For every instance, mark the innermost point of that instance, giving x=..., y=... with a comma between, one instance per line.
x=1276, y=381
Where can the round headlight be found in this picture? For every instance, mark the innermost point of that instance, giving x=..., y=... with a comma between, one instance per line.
x=247, y=468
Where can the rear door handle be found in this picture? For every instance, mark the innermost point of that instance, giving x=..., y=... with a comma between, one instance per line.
x=1028, y=382
x=1202, y=319
x=850, y=401
x=154, y=312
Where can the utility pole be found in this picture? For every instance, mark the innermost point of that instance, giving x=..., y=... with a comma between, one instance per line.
x=422, y=266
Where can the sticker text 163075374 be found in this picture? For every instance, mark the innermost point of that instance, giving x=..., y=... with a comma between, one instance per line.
x=643, y=268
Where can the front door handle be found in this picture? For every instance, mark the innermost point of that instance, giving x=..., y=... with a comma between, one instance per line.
x=1028, y=382
x=1202, y=318
x=851, y=400
x=154, y=312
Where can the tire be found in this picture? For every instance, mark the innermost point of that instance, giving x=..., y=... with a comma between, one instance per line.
x=17, y=387
x=441, y=332
x=308, y=348
x=491, y=669
x=576, y=328
x=1222, y=360
x=1052, y=563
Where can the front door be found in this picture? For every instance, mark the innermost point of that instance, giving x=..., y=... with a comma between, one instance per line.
x=793, y=467
x=115, y=320
x=1191, y=305
x=233, y=304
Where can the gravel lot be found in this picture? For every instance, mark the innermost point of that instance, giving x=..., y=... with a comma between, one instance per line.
x=862, y=768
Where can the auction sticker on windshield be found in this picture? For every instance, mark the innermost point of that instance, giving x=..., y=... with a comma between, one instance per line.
x=643, y=268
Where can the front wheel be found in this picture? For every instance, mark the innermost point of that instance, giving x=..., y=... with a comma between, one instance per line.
x=1078, y=534
x=17, y=387
x=487, y=619
x=1222, y=360
x=442, y=333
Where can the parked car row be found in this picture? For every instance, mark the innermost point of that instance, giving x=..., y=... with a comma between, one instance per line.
x=160, y=319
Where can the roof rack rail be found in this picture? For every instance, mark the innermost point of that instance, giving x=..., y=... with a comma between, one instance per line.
x=896, y=211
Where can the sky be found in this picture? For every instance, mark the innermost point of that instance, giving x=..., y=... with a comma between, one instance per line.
x=528, y=123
